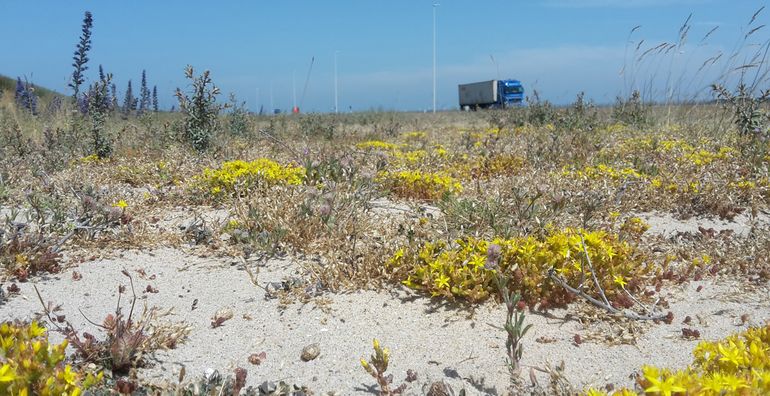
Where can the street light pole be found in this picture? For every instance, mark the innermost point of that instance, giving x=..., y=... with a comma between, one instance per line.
x=434, y=56
x=293, y=92
x=496, y=66
x=336, y=102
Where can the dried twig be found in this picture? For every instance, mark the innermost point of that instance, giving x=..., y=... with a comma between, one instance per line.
x=593, y=274
x=630, y=315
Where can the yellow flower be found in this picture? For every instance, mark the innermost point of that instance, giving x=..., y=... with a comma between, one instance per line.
x=733, y=383
x=120, y=204
x=732, y=354
x=6, y=373
x=619, y=280
x=35, y=330
x=442, y=281
x=665, y=387
x=68, y=376
x=21, y=260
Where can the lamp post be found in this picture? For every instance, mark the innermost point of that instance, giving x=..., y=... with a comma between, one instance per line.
x=434, y=56
x=336, y=102
x=496, y=66
x=294, y=108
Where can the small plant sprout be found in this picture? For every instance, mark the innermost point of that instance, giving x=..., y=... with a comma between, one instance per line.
x=514, y=323
x=378, y=365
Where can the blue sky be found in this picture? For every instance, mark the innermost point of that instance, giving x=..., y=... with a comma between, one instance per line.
x=559, y=47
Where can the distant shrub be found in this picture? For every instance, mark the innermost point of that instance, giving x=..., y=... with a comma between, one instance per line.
x=54, y=105
x=200, y=109
x=238, y=117
x=631, y=111
x=129, y=101
x=317, y=125
x=581, y=114
x=145, y=100
x=748, y=115
x=540, y=112
x=25, y=96
x=155, y=98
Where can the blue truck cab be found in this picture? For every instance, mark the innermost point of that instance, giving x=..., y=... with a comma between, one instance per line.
x=511, y=93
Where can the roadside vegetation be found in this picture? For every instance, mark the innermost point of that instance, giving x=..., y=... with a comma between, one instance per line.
x=535, y=208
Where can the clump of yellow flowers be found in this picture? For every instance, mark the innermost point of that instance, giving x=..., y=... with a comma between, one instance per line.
x=377, y=145
x=418, y=184
x=31, y=366
x=602, y=171
x=243, y=175
x=736, y=365
x=462, y=270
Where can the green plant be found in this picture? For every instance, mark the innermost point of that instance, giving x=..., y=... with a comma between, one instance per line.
x=514, y=318
x=29, y=365
x=98, y=110
x=200, y=109
x=631, y=111
x=81, y=55
x=748, y=115
x=238, y=117
x=11, y=135
x=540, y=112
x=316, y=125
x=581, y=114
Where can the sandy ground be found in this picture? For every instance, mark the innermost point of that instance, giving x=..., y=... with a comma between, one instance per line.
x=667, y=225
x=439, y=342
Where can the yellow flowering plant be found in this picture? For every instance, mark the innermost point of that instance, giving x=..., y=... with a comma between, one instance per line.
x=419, y=185
x=29, y=365
x=736, y=365
x=461, y=271
x=243, y=175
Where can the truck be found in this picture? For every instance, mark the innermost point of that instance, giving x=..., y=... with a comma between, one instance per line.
x=491, y=94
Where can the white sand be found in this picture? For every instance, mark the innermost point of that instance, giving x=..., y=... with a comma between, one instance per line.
x=438, y=342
